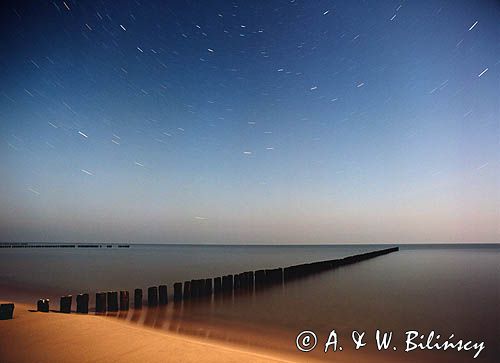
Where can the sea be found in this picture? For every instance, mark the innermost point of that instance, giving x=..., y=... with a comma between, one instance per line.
x=431, y=293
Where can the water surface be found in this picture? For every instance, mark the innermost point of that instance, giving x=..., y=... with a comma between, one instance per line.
x=448, y=289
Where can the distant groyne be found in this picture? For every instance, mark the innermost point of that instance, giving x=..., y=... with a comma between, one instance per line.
x=249, y=281
x=63, y=245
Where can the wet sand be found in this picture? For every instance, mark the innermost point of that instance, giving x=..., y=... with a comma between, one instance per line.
x=55, y=337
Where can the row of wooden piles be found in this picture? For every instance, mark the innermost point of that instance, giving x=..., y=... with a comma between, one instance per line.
x=114, y=301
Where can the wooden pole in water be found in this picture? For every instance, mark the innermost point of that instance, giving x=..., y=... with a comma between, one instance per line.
x=244, y=280
x=217, y=285
x=286, y=274
x=279, y=275
x=197, y=288
x=194, y=289
x=250, y=280
x=260, y=278
x=65, y=304
x=138, y=299
x=237, y=281
x=202, y=289
x=224, y=283
x=177, y=291
x=124, y=300
x=208, y=287
x=82, y=303
x=163, y=294
x=100, y=302
x=112, y=301
x=227, y=283
x=187, y=290
x=152, y=296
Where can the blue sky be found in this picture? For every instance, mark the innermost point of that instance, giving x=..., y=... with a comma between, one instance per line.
x=250, y=122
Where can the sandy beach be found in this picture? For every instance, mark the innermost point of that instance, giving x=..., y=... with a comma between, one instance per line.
x=55, y=337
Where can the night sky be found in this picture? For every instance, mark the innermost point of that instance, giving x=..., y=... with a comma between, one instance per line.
x=250, y=121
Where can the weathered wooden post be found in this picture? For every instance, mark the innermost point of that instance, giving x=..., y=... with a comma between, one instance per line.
x=138, y=299
x=244, y=280
x=201, y=287
x=112, y=301
x=187, y=290
x=163, y=294
x=237, y=283
x=152, y=296
x=260, y=278
x=227, y=283
x=250, y=280
x=194, y=289
x=177, y=291
x=279, y=275
x=217, y=285
x=65, y=304
x=100, y=302
x=82, y=303
x=224, y=283
x=273, y=276
x=42, y=305
x=124, y=300
x=6, y=311
x=269, y=276
x=286, y=274
x=197, y=288
x=208, y=287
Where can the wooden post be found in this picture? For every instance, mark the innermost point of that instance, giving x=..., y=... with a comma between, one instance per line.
x=187, y=290
x=260, y=278
x=124, y=300
x=197, y=288
x=227, y=283
x=82, y=303
x=217, y=285
x=65, y=304
x=224, y=283
x=279, y=275
x=269, y=277
x=286, y=274
x=6, y=311
x=177, y=291
x=194, y=289
x=208, y=287
x=42, y=305
x=244, y=280
x=163, y=294
x=138, y=299
x=100, y=302
x=201, y=287
x=152, y=296
x=112, y=301
x=250, y=280
x=274, y=276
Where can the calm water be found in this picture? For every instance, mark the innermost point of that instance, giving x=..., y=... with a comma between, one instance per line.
x=448, y=289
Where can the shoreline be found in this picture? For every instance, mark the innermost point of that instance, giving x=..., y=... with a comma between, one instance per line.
x=56, y=337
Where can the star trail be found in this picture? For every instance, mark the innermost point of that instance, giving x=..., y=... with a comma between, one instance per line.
x=250, y=121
